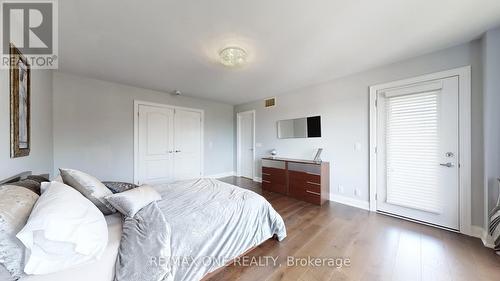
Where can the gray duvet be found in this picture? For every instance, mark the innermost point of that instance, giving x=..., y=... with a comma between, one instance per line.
x=197, y=227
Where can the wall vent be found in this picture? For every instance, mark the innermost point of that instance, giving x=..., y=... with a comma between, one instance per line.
x=270, y=102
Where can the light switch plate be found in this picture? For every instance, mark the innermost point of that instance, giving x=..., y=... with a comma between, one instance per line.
x=357, y=146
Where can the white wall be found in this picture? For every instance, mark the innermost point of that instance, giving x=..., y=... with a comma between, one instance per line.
x=491, y=92
x=344, y=109
x=40, y=159
x=93, y=127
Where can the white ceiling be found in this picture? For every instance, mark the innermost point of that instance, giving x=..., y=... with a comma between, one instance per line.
x=166, y=44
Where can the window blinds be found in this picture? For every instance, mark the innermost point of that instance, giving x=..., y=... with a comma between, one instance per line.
x=412, y=151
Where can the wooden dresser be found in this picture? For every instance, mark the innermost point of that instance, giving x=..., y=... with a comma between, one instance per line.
x=304, y=180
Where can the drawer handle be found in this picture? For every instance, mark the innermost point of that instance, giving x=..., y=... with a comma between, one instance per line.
x=313, y=174
x=266, y=174
x=266, y=181
x=315, y=193
x=313, y=183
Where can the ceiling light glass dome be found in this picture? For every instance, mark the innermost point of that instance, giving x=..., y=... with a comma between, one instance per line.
x=233, y=56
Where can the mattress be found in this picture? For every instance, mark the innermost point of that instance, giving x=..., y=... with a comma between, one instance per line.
x=101, y=270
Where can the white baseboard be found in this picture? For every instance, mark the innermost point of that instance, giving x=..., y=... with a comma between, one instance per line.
x=476, y=231
x=257, y=179
x=221, y=175
x=479, y=232
x=349, y=201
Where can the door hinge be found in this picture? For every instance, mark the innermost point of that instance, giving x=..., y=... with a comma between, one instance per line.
x=376, y=150
x=376, y=196
x=376, y=102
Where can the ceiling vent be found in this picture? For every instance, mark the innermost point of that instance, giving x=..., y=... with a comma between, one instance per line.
x=270, y=102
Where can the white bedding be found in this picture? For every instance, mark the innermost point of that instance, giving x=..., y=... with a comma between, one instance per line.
x=207, y=218
x=102, y=270
x=64, y=230
x=213, y=222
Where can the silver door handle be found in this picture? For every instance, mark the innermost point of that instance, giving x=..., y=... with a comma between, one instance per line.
x=449, y=164
x=170, y=151
x=177, y=151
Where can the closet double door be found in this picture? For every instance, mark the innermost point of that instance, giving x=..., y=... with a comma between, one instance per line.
x=169, y=144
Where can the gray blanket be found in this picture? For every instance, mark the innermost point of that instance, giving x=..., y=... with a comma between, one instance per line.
x=145, y=236
x=197, y=227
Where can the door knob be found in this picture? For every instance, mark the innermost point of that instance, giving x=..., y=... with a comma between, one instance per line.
x=449, y=164
x=170, y=151
x=177, y=151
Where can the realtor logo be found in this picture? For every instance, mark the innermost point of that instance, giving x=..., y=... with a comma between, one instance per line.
x=32, y=27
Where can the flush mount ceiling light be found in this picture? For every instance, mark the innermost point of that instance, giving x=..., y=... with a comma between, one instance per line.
x=233, y=56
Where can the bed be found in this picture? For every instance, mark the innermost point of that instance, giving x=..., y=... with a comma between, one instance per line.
x=209, y=221
x=210, y=218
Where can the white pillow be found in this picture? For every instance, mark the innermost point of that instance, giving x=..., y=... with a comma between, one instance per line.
x=57, y=179
x=64, y=230
x=131, y=201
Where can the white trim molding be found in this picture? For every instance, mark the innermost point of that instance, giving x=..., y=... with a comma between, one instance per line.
x=464, y=80
x=349, y=201
x=481, y=233
x=238, y=144
x=137, y=103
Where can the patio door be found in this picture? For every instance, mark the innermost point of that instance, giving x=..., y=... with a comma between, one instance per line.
x=418, y=152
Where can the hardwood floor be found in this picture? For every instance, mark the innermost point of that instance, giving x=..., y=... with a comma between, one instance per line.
x=378, y=247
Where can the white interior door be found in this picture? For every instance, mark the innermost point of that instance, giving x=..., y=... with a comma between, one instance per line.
x=418, y=152
x=155, y=144
x=188, y=142
x=246, y=144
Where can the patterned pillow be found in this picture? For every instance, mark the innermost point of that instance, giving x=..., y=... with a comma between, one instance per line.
x=90, y=187
x=29, y=184
x=16, y=203
x=38, y=178
x=131, y=201
x=117, y=187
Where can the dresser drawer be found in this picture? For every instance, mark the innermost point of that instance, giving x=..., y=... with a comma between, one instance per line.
x=312, y=197
x=305, y=186
x=304, y=177
x=274, y=187
x=273, y=164
x=306, y=168
x=274, y=175
x=312, y=178
x=304, y=180
x=266, y=178
x=266, y=184
x=312, y=187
